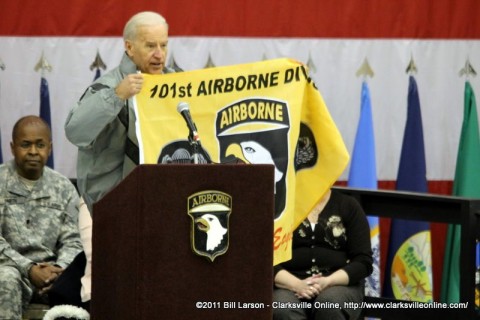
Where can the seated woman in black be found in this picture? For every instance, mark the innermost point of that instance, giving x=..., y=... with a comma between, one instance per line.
x=331, y=257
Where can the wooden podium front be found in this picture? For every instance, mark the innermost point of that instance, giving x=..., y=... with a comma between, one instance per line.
x=148, y=260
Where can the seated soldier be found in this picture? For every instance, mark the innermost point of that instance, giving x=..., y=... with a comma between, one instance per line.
x=38, y=220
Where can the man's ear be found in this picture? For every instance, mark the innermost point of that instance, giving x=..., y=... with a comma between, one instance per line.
x=128, y=47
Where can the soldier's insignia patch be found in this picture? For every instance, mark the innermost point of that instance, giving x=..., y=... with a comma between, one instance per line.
x=210, y=212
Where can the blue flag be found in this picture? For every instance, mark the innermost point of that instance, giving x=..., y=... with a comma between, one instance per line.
x=1, y=158
x=97, y=74
x=363, y=174
x=408, y=274
x=45, y=110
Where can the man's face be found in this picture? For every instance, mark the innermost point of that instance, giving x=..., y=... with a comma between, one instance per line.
x=31, y=148
x=149, y=49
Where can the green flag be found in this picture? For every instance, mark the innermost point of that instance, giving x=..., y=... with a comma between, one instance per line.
x=465, y=184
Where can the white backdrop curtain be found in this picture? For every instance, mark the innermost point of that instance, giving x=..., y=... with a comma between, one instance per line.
x=333, y=64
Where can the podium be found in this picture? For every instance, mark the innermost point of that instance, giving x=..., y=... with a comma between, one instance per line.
x=150, y=258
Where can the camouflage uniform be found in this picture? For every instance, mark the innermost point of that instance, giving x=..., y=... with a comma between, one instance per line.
x=40, y=225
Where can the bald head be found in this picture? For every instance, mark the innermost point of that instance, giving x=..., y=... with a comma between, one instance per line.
x=31, y=121
x=31, y=146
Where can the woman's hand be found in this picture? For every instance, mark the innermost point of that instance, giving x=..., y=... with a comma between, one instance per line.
x=307, y=289
x=320, y=282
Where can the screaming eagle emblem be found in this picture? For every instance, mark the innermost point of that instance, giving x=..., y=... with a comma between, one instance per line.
x=210, y=212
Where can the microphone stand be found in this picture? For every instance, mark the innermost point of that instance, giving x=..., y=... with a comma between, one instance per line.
x=194, y=141
x=193, y=137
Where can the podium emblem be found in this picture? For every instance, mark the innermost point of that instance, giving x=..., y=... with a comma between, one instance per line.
x=210, y=212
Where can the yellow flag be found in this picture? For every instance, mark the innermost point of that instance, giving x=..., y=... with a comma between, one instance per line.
x=266, y=112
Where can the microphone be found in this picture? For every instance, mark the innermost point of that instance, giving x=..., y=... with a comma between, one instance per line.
x=184, y=109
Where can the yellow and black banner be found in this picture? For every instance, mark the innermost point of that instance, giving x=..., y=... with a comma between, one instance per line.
x=266, y=112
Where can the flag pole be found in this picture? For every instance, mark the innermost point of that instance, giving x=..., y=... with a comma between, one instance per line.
x=2, y=67
x=363, y=173
x=409, y=254
x=98, y=64
x=467, y=70
x=311, y=66
x=43, y=66
x=210, y=63
x=465, y=184
x=412, y=67
x=365, y=70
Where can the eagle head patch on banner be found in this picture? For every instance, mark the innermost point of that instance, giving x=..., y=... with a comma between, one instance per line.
x=258, y=135
x=210, y=213
x=267, y=112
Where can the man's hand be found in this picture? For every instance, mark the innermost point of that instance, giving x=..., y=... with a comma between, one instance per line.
x=129, y=86
x=43, y=274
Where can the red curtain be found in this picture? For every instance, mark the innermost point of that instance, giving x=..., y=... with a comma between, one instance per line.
x=434, y=19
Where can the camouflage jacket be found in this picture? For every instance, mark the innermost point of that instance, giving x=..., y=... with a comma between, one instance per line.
x=38, y=225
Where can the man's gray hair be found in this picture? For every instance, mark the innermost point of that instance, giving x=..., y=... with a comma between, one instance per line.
x=146, y=18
